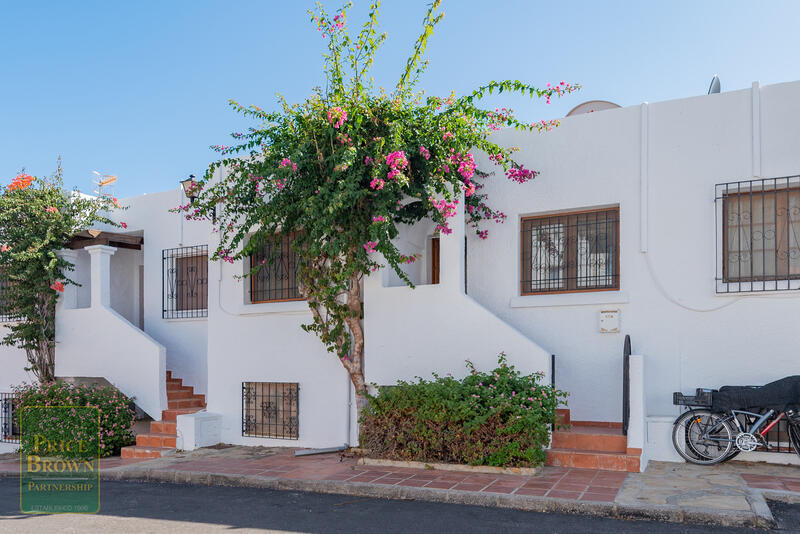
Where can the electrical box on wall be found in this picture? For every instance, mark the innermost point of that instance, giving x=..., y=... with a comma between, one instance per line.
x=609, y=321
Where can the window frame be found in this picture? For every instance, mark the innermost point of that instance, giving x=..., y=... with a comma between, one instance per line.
x=285, y=241
x=616, y=274
x=257, y=424
x=170, y=311
x=751, y=192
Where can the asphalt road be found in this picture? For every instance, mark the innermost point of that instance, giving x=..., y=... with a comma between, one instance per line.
x=151, y=507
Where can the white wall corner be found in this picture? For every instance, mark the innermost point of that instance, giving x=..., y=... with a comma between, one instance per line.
x=637, y=423
x=644, y=185
x=756, y=117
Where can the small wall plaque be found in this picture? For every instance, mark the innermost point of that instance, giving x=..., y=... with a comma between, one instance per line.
x=609, y=321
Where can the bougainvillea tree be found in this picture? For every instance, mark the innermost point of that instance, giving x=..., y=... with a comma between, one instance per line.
x=338, y=173
x=37, y=219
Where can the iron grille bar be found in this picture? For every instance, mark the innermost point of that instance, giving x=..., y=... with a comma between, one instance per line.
x=184, y=281
x=758, y=240
x=271, y=410
x=570, y=252
x=9, y=431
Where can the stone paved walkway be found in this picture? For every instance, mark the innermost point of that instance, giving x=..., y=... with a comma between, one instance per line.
x=732, y=493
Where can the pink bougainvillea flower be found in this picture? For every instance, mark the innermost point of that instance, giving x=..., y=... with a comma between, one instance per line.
x=52, y=209
x=369, y=246
x=336, y=116
x=4, y=248
x=286, y=162
x=57, y=286
x=379, y=218
x=424, y=152
x=124, y=225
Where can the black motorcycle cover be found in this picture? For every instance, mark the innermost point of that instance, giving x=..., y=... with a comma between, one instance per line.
x=779, y=395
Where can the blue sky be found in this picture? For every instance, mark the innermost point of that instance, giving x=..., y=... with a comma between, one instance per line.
x=139, y=89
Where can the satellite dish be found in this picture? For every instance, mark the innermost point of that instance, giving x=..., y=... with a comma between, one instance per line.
x=714, y=87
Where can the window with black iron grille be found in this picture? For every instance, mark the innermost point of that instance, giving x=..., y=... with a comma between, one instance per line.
x=185, y=282
x=9, y=431
x=271, y=409
x=5, y=311
x=759, y=239
x=277, y=279
x=570, y=252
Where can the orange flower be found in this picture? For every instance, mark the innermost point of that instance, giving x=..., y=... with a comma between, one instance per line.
x=57, y=286
x=21, y=181
x=4, y=248
x=52, y=209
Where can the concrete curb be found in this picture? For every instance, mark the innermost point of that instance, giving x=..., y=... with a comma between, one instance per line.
x=460, y=468
x=760, y=518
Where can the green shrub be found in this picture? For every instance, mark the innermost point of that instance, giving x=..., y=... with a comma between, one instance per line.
x=110, y=427
x=500, y=418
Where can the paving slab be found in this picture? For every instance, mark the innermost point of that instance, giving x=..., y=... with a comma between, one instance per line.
x=732, y=494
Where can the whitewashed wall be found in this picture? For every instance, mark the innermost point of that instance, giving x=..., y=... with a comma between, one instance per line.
x=12, y=367
x=436, y=328
x=264, y=343
x=659, y=163
x=184, y=339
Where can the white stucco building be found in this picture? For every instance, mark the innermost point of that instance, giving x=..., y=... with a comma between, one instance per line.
x=677, y=223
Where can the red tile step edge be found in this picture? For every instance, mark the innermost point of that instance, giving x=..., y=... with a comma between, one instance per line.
x=591, y=446
x=161, y=440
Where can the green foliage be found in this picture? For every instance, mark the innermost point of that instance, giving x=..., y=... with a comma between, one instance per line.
x=37, y=219
x=108, y=428
x=343, y=171
x=500, y=418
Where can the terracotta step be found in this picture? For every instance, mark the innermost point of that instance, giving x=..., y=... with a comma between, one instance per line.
x=590, y=438
x=173, y=413
x=164, y=427
x=174, y=382
x=585, y=459
x=185, y=403
x=156, y=440
x=201, y=398
x=136, y=451
x=182, y=393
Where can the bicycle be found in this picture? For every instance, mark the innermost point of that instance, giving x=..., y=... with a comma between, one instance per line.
x=705, y=436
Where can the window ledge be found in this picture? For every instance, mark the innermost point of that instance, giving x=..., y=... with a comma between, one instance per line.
x=184, y=319
x=291, y=306
x=569, y=299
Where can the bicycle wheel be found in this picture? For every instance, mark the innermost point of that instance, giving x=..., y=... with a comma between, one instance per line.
x=794, y=436
x=703, y=437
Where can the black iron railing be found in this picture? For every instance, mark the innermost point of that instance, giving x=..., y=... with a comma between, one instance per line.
x=570, y=252
x=758, y=235
x=185, y=282
x=626, y=385
x=271, y=410
x=9, y=431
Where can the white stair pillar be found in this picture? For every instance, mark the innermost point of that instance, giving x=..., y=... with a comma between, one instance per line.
x=451, y=251
x=101, y=274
